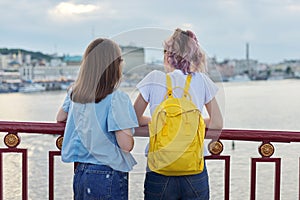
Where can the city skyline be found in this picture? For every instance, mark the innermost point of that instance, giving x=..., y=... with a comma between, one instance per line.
x=223, y=27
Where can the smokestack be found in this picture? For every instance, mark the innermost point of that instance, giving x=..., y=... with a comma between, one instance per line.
x=247, y=51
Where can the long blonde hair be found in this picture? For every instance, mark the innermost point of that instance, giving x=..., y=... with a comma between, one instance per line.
x=100, y=72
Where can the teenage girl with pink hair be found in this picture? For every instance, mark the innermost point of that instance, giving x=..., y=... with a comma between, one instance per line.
x=182, y=56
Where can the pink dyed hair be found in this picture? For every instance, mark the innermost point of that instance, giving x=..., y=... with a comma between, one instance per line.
x=184, y=53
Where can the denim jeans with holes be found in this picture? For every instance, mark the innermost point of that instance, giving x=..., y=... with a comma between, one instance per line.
x=99, y=182
x=190, y=187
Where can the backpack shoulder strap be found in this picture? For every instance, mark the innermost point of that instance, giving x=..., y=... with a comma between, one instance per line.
x=187, y=85
x=169, y=85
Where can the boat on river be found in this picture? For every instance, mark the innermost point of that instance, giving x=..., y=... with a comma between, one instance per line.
x=32, y=87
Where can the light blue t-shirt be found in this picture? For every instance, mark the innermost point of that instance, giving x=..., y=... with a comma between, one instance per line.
x=90, y=131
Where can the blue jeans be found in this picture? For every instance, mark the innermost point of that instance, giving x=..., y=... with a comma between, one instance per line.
x=99, y=182
x=190, y=187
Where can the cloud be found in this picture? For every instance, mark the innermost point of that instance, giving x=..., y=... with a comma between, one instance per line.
x=293, y=8
x=68, y=8
x=66, y=11
x=221, y=26
x=187, y=25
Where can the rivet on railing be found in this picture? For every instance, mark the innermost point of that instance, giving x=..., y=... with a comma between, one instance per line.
x=215, y=147
x=11, y=140
x=266, y=149
x=59, y=142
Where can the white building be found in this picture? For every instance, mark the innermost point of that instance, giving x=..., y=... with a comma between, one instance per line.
x=133, y=57
x=47, y=73
x=3, y=61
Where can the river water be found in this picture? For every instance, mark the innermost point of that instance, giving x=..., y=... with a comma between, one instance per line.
x=271, y=105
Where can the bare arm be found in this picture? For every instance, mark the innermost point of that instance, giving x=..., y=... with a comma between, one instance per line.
x=139, y=106
x=125, y=139
x=215, y=120
x=61, y=115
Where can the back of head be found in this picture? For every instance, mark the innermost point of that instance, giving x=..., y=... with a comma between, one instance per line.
x=99, y=73
x=183, y=52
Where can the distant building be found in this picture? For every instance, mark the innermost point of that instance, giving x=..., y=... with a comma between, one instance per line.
x=287, y=68
x=215, y=71
x=55, y=62
x=9, y=75
x=39, y=73
x=18, y=67
x=14, y=64
x=3, y=61
x=27, y=60
x=10, y=61
x=245, y=66
x=133, y=57
x=288, y=65
x=68, y=67
x=72, y=60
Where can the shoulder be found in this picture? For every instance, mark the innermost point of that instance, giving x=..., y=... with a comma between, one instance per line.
x=121, y=113
x=119, y=95
x=120, y=99
x=156, y=74
x=153, y=78
x=201, y=76
x=210, y=87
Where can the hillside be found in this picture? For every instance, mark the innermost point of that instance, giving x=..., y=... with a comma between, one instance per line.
x=34, y=55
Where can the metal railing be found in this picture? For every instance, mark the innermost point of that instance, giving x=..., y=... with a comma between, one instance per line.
x=12, y=139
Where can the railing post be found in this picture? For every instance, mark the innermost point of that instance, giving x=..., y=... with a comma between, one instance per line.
x=226, y=173
x=277, y=162
x=12, y=140
x=59, y=141
x=24, y=175
x=24, y=170
x=51, y=173
x=253, y=180
x=1, y=177
x=215, y=148
x=266, y=150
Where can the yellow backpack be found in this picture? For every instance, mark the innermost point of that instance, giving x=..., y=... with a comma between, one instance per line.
x=177, y=131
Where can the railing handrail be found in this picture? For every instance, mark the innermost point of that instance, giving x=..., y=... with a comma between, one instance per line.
x=254, y=135
x=32, y=127
x=224, y=134
x=215, y=147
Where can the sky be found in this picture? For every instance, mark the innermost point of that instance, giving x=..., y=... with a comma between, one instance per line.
x=223, y=27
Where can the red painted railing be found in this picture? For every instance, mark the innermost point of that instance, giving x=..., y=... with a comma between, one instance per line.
x=266, y=150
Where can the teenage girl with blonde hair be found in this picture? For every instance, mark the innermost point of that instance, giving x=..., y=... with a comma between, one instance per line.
x=99, y=125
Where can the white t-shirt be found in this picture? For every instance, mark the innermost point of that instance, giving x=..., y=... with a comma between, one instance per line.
x=153, y=89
